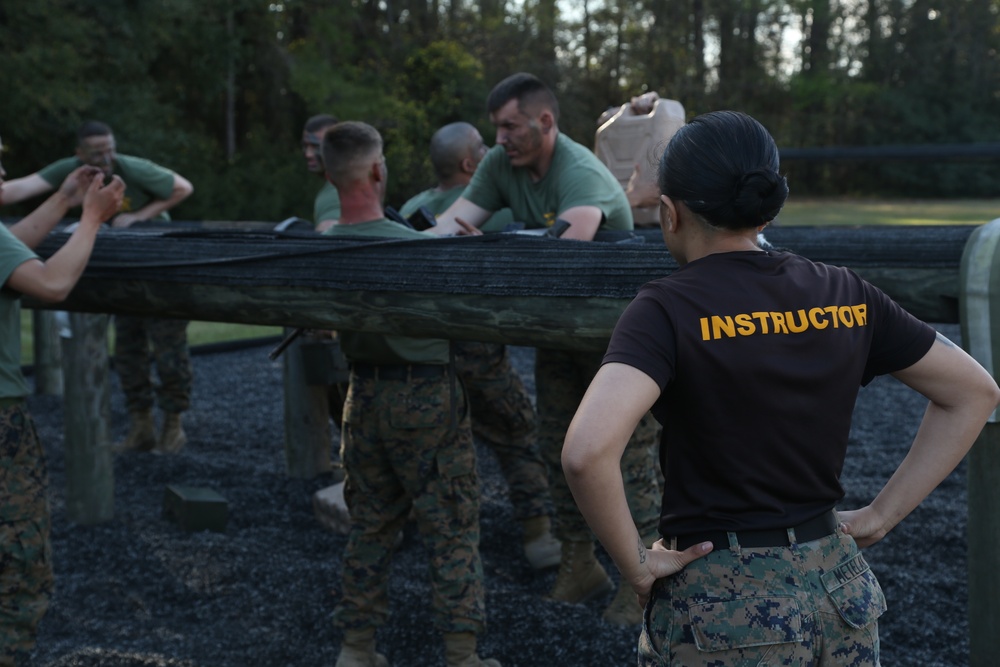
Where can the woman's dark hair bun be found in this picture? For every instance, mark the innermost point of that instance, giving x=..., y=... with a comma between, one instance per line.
x=724, y=166
x=759, y=195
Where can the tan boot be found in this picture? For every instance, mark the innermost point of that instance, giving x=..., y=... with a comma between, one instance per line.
x=460, y=651
x=624, y=608
x=141, y=435
x=173, y=437
x=580, y=577
x=541, y=548
x=358, y=650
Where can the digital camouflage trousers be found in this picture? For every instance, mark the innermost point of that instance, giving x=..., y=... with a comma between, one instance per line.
x=809, y=605
x=504, y=418
x=407, y=445
x=139, y=343
x=25, y=553
x=561, y=379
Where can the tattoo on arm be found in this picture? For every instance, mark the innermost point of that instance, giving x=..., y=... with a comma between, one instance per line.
x=642, y=551
x=944, y=340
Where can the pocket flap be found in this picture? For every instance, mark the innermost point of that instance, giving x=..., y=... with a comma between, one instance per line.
x=855, y=592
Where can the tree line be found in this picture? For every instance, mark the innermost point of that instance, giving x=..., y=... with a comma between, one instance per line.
x=219, y=89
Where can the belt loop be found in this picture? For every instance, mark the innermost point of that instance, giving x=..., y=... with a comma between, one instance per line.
x=673, y=543
x=734, y=544
x=409, y=374
x=793, y=541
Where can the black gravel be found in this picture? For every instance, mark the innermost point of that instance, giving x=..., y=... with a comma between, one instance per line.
x=138, y=591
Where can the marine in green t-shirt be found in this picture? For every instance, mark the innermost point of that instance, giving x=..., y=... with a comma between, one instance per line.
x=536, y=171
x=456, y=151
x=326, y=207
x=150, y=190
x=13, y=253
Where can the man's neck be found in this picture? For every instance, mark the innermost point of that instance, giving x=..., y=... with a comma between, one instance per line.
x=541, y=167
x=359, y=205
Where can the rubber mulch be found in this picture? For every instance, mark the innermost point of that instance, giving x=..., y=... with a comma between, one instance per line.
x=139, y=591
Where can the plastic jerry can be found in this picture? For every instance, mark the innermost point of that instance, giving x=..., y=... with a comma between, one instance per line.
x=626, y=140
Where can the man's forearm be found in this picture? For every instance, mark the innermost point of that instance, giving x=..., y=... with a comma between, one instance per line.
x=34, y=227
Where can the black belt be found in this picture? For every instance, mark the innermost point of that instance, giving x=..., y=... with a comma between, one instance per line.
x=398, y=371
x=813, y=529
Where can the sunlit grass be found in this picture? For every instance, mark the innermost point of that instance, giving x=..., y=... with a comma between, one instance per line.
x=199, y=333
x=896, y=212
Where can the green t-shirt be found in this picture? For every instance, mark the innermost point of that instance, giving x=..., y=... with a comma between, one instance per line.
x=438, y=202
x=13, y=253
x=377, y=348
x=327, y=205
x=145, y=181
x=575, y=178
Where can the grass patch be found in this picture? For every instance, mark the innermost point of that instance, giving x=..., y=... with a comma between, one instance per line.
x=823, y=212
x=199, y=333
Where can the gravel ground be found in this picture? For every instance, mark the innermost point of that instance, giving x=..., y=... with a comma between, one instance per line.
x=138, y=591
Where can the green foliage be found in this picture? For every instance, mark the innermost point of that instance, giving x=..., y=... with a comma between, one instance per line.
x=218, y=89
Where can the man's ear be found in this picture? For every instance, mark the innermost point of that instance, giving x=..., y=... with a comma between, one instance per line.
x=546, y=120
x=376, y=171
x=467, y=165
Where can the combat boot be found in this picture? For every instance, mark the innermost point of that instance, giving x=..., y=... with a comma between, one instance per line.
x=141, y=435
x=580, y=577
x=358, y=650
x=173, y=437
x=541, y=548
x=460, y=651
x=624, y=608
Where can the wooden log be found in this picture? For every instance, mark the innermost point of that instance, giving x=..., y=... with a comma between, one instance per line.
x=505, y=288
x=89, y=459
x=48, y=354
x=980, y=325
x=307, y=418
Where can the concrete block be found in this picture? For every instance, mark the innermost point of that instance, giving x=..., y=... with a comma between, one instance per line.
x=194, y=508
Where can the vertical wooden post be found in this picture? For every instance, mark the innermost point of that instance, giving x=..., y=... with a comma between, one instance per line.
x=307, y=418
x=48, y=356
x=89, y=461
x=979, y=307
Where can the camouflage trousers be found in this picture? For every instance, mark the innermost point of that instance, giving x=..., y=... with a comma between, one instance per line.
x=139, y=341
x=561, y=379
x=809, y=604
x=407, y=445
x=26, y=578
x=504, y=418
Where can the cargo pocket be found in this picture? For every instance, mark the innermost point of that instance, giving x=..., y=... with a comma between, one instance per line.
x=855, y=592
x=724, y=625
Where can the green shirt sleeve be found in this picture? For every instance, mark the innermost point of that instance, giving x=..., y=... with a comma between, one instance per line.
x=56, y=173
x=13, y=253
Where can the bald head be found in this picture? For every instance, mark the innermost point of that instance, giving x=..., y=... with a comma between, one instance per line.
x=349, y=151
x=456, y=149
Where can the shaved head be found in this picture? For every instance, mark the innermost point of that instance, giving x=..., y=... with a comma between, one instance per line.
x=349, y=148
x=450, y=145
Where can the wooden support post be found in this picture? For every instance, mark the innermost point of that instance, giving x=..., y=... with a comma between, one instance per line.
x=979, y=305
x=89, y=461
x=307, y=418
x=48, y=356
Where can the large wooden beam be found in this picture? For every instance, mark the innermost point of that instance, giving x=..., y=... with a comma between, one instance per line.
x=505, y=288
x=980, y=314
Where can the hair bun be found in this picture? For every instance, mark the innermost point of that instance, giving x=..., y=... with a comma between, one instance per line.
x=759, y=195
